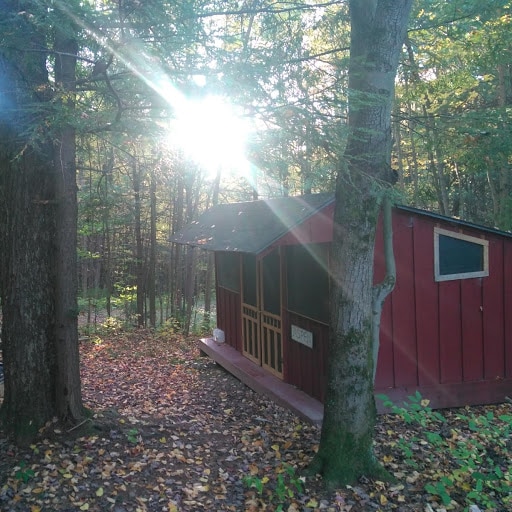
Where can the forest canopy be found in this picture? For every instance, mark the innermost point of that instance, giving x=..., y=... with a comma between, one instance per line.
x=278, y=71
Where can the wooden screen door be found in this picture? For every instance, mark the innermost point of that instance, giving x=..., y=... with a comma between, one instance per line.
x=261, y=311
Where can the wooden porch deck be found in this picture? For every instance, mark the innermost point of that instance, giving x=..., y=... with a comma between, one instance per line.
x=262, y=382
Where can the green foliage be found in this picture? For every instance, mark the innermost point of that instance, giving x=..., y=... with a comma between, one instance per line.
x=170, y=327
x=279, y=488
x=455, y=88
x=111, y=326
x=133, y=436
x=415, y=410
x=126, y=300
x=23, y=473
x=479, y=451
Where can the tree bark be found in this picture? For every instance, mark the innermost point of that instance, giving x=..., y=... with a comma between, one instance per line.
x=139, y=248
x=27, y=284
x=152, y=252
x=27, y=207
x=377, y=34
x=68, y=391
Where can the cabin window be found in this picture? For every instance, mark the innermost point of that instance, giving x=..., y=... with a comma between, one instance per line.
x=458, y=256
x=307, y=278
x=228, y=270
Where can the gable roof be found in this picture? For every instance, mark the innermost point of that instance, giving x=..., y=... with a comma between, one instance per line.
x=254, y=226
x=251, y=226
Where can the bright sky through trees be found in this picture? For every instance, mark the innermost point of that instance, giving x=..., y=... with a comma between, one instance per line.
x=210, y=132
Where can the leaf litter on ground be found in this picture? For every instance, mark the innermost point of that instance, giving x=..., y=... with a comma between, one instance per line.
x=172, y=431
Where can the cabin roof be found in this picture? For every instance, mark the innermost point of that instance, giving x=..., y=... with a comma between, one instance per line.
x=454, y=221
x=251, y=226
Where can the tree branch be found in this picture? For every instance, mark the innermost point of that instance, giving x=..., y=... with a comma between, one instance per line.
x=385, y=287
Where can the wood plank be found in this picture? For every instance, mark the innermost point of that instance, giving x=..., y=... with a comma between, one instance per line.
x=322, y=345
x=385, y=376
x=472, y=330
x=251, y=333
x=493, y=313
x=304, y=357
x=507, y=283
x=403, y=305
x=263, y=382
x=426, y=303
x=450, y=340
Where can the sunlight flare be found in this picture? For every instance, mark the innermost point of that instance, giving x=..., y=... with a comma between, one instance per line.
x=212, y=133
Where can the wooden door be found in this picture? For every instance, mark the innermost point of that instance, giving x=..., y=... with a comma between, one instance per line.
x=270, y=314
x=250, y=310
x=261, y=311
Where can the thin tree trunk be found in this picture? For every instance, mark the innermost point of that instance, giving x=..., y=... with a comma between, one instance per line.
x=436, y=162
x=139, y=248
x=177, y=270
x=152, y=253
x=68, y=390
x=107, y=241
x=189, y=288
x=384, y=288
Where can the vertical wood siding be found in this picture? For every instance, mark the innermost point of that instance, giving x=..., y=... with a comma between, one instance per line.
x=507, y=299
x=305, y=367
x=450, y=339
x=454, y=333
x=229, y=316
x=494, y=300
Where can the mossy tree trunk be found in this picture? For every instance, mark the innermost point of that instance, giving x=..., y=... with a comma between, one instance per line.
x=377, y=33
x=38, y=232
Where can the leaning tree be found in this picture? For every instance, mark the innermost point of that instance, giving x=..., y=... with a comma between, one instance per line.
x=377, y=33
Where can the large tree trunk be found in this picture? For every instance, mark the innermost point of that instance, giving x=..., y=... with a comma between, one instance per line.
x=27, y=204
x=27, y=284
x=377, y=33
x=38, y=278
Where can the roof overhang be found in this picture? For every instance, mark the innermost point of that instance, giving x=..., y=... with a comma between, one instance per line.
x=254, y=226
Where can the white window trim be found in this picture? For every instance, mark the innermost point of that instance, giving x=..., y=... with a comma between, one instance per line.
x=460, y=236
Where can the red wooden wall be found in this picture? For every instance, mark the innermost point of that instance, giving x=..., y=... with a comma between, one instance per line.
x=305, y=367
x=229, y=316
x=451, y=340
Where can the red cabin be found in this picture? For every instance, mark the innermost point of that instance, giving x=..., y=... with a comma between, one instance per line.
x=446, y=329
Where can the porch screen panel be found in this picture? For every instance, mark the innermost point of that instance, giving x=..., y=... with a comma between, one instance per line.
x=228, y=270
x=250, y=283
x=272, y=283
x=307, y=276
